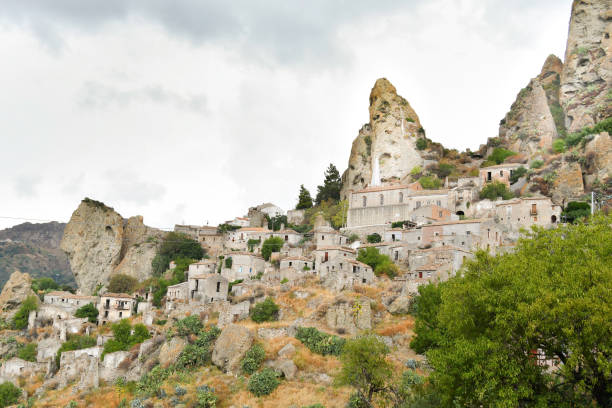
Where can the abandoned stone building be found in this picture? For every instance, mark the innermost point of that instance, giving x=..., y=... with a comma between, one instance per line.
x=500, y=172
x=207, y=288
x=244, y=265
x=115, y=306
x=202, y=267
x=67, y=299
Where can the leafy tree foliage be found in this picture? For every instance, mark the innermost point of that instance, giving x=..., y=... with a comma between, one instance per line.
x=494, y=190
x=332, y=184
x=499, y=155
x=319, y=342
x=188, y=326
x=536, y=164
x=121, y=283
x=430, y=182
x=576, y=210
x=175, y=245
x=304, y=199
x=558, y=146
x=28, y=352
x=374, y=238
x=517, y=174
x=421, y=143
x=89, y=311
x=74, y=342
x=549, y=299
x=9, y=394
x=380, y=263
x=253, y=358
x=44, y=284
x=272, y=244
x=265, y=311
x=199, y=353
x=263, y=382
x=124, y=339
x=275, y=223
x=20, y=320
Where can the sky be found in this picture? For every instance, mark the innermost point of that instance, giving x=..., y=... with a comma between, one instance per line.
x=192, y=111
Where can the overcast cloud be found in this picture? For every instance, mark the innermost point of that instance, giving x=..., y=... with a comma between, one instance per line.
x=192, y=111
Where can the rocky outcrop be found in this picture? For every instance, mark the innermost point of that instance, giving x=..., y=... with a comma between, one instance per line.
x=232, y=344
x=349, y=316
x=598, y=154
x=100, y=243
x=389, y=137
x=15, y=291
x=171, y=350
x=587, y=70
x=568, y=185
x=535, y=118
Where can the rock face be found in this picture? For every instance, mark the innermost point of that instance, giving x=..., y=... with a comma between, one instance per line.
x=100, y=243
x=568, y=185
x=349, y=317
x=15, y=291
x=389, y=138
x=170, y=351
x=598, y=153
x=535, y=118
x=587, y=71
x=232, y=344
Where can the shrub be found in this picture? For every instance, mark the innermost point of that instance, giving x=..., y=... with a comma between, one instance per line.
x=536, y=164
x=43, y=284
x=387, y=268
x=89, y=311
x=494, y=190
x=319, y=342
x=372, y=256
x=517, y=174
x=576, y=210
x=151, y=381
x=421, y=143
x=430, y=182
x=284, y=280
x=232, y=283
x=374, y=238
x=74, y=342
x=189, y=325
x=272, y=244
x=416, y=170
x=444, y=170
x=20, y=321
x=9, y=394
x=265, y=311
x=251, y=243
x=228, y=262
x=28, y=352
x=253, y=358
x=499, y=155
x=558, y=146
x=124, y=340
x=352, y=238
x=264, y=382
x=121, y=283
x=175, y=245
x=206, y=397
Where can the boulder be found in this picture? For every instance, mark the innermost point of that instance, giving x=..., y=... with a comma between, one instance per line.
x=287, y=367
x=231, y=346
x=171, y=350
x=287, y=351
x=15, y=291
x=348, y=317
x=598, y=153
x=401, y=305
x=271, y=333
x=568, y=184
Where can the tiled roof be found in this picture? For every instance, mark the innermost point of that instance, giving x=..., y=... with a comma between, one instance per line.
x=296, y=258
x=335, y=247
x=253, y=229
x=356, y=262
x=69, y=295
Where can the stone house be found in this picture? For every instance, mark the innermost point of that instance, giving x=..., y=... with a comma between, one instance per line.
x=432, y=213
x=115, y=306
x=443, y=255
x=202, y=267
x=178, y=292
x=331, y=258
x=362, y=273
x=297, y=262
x=289, y=236
x=270, y=209
x=245, y=265
x=207, y=288
x=431, y=272
x=500, y=172
x=67, y=299
x=526, y=212
x=465, y=234
x=325, y=235
x=238, y=239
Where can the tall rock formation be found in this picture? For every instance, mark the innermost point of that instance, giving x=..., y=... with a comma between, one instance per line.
x=14, y=292
x=100, y=243
x=389, y=137
x=535, y=118
x=587, y=72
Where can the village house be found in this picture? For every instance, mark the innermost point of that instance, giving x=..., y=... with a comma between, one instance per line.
x=432, y=213
x=500, y=172
x=298, y=262
x=207, y=288
x=406, y=235
x=289, y=236
x=67, y=299
x=362, y=273
x=238, y=239
x=239, y=222
x=210, y=239
x=243, y=265
x=115, y=306
x=202, y=267
x=465, y=234
x=526, y=212
x=178, y=292
x=443, y=255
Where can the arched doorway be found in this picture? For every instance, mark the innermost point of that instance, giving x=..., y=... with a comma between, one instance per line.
x=553, y=219
x=460, y=213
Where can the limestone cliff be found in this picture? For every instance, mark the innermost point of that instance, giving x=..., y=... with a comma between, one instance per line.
x=100, y=243
x=587, y=71
x=535, y=118
x=389, y=137
x=14, y=292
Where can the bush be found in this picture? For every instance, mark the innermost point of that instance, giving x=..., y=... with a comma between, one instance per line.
x=536, y=164
x=387, y=268
x=206, y=397
x=175, y=245
x=253, y=358
x=430, y=182
x=499, y=155
x=89, y=311
x=374, y=238
x=74, y=342
x=28, y=352
x=517, y=174
x=558, y=146
x=272, y=244
x=421, y=143
x=124, y=340
x=121, y=283
x=352, y=238
x=319, y=342
x=285, y=280
x=576, y=210
x=151, y=381
x=9, y=394
x=264, y=382
x=265, y=311
x=251, y=243
x=20, y=321
x=416, y=170
x=189, y=325
x=232, y=283
x=494, y=190
x=372, y=256
x=44, y=284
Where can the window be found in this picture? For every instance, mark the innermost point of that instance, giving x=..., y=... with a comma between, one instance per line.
x=488, y=176
x=440, y=214
x=439, y=203
x=120, y=314
x=396, y=255
x=363, y=280
x=322, y=237
x=364, y=200
x=418, y=204
x=106, y=313
x=218, y=286
x=401, y=197
x=501, y=173
x=468, y=232
x=340, y=265
x=290, y=263
x=382, y=199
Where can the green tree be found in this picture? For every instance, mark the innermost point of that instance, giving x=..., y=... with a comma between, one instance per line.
x=364, y=366
x=173, y=246
x=124, y=339
x=272, y=244
x=332, y=184
x=430, y=182
x=9, y=394
x=499, y=155
x=121, y=283
x=374, y=238
x=89, y=311
x=517, y=174
x=304, y=199
x=253, y=358
x=576, y=210
x=265, y=311
x=20, y=320
x=548, y=299
x=380, y=263
x=44, y=284
x=494, y=190
x=421, y=143
x=28, y=352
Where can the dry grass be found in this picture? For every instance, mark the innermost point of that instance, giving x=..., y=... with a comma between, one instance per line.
x=403, y=326
x=296, y=393
x=309, y=362
x=273, y=346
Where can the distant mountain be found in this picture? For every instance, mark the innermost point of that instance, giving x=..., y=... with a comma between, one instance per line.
x=35, y=249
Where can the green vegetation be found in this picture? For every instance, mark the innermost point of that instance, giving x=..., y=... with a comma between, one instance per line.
x=123, y=339
x=44, y=285
x=74, y=342
x=558, y=146
x=89, y=311
x=264, y=382
x=380, y=263
x=495, y=189
x=98, y=204
x=253, y=359
x=206, y=397
x=199, y=352
x=275, y=223
x=416, y=170
x=536, y=164
x=430, y=182
x=575, y=138
x=251, y=243
x=122, y=284
x=229, y=262
x=28, y=352
x=232, y=283
x=399, y=224
x=368, y=142
x=330, y=190
x=304, y=199
x=499, y=155
x=188, y=326
x=265, y=311
x=223, y=228
x=9, y=394
x=319, y=342
x=352, y=238
x=272, y=244
x=175, y=245
x=550, y=295
x=374, y=238
x=20, y=320
x=517, y=174
x=151, y=381
x=421, y=143
x=575, y=211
